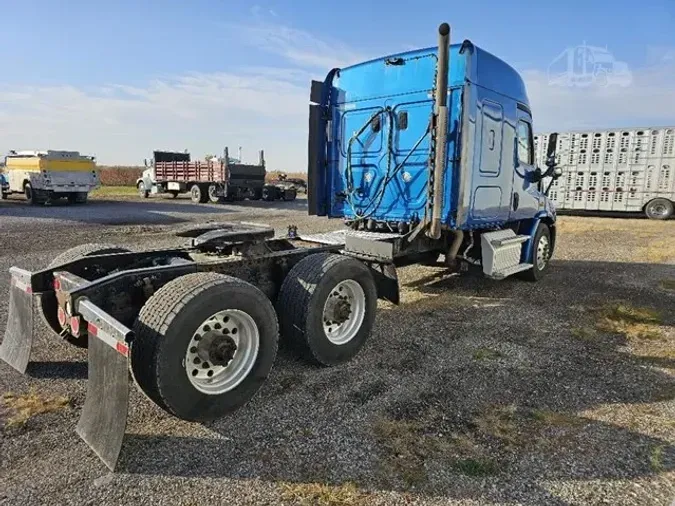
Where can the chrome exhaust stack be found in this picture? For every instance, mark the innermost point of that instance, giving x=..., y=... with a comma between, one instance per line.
x=441, y=113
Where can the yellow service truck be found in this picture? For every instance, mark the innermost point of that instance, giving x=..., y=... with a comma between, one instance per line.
x=44, y=176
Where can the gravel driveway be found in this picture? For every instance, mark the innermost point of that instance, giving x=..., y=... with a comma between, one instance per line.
x=471, y=392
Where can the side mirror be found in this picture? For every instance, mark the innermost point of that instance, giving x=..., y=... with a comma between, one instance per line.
x=145, y=162
x=537, y=175
x=551, y=149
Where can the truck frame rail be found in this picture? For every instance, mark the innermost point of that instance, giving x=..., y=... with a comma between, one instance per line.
x=98, y=298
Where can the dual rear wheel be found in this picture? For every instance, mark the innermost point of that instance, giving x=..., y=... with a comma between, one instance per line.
x=205, y=343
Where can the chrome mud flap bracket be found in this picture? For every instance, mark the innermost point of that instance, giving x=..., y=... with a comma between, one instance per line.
x=18, y=341
x=103, y=419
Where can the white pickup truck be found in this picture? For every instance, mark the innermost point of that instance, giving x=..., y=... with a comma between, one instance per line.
x=43, y=176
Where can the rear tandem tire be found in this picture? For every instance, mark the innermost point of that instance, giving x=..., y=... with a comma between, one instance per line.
x=213, y=197
x=659, y=209
x=268, y=194
x=289, y=194
x=47, y=303
x=304, y=299
x=184, y=314
x=198, y=194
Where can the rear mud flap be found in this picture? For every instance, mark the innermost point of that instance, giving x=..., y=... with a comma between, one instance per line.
x=18, y=341
x=386, y=281
x=104, y=416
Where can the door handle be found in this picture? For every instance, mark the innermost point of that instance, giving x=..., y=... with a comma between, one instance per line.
x=515, y=201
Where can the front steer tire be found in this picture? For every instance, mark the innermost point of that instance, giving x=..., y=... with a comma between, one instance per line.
x=542, y=245
x=302, y=301
x=164, y=330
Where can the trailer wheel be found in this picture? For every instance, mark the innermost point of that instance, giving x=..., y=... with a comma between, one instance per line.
x=541, y=254
x=327, y=306
x=204, y=345
x=268, y=194
x=48, y=304
x=256, y=194
x=659, y=209
x=289, y=194
x=143, y=192
x=198, y=195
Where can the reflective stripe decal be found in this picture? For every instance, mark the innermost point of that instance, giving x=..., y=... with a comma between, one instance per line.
x=120, y=346
x=24, y=287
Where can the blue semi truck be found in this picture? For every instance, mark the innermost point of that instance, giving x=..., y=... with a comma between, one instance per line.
x=424, y=155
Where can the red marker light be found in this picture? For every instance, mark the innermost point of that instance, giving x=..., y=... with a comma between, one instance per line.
x=61, y=314
x=75, y=325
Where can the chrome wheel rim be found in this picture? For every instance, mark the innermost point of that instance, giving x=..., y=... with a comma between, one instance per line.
x=222, y=352
x=344, y=312
x=659, y=209
x=543, y=249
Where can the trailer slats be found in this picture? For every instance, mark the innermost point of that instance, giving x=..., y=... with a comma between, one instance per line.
x=612, y=170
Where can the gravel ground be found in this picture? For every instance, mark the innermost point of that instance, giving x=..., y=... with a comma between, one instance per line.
x=471, y=392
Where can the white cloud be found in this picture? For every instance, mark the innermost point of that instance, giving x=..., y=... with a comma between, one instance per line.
x=649, y=100
x=298, y=46
x=266, y=107
x=201, y=112
x=255, y=107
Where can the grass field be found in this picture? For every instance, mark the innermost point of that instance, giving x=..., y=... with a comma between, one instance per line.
x=110, y=191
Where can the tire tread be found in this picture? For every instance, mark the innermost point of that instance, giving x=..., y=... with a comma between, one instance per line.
x=294, y=299
x=154, y=320
x=84, y=250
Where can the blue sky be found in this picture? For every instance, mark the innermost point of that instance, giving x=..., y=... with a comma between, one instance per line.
x=119, y=79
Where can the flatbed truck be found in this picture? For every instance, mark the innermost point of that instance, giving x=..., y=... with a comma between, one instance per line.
x=214, y=180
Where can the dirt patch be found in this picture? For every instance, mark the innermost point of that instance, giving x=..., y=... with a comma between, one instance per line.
x=630, y=321
x=20, y=408
x=319, y=494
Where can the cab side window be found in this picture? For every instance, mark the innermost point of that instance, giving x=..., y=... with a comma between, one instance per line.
x=525, y=144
